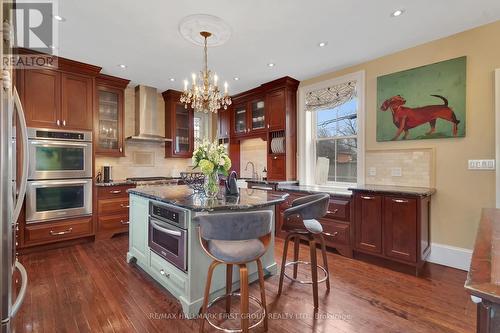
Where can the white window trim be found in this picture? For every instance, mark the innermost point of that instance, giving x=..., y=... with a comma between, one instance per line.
x=306, y=156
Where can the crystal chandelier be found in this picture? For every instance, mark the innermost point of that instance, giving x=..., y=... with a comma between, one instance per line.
x=205, y=96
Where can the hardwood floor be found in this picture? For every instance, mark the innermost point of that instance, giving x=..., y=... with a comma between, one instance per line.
x=90, y=288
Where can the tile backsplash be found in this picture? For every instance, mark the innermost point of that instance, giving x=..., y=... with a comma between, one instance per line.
x=253, y=150
x=416, y=166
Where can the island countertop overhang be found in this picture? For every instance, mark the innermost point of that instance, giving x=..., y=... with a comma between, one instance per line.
x=185, y=197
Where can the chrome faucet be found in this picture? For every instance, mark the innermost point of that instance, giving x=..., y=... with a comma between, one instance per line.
x=254, y=174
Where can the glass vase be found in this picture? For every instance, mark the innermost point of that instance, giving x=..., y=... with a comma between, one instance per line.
x=211, y=185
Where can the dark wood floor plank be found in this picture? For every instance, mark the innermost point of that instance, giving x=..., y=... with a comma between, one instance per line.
x=90, y=288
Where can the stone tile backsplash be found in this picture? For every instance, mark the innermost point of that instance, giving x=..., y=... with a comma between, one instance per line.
x=417, y=167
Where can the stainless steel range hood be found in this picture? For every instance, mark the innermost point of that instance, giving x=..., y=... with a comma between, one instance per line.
x=146, y=116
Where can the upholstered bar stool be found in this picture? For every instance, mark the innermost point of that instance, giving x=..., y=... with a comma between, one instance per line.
x=235, y=239
x=300, y=222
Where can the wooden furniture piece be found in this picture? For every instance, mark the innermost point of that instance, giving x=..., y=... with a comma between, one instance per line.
x=61, y=97
x=393, y=226
x=109, y=116
x=266, y=112
x=483, y=278
x=178, y=126
x=57, y=231
x=112, y=210
x=300, y=221
x=336, y=223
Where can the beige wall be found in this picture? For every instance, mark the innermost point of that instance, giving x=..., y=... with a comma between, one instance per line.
x=461, y=193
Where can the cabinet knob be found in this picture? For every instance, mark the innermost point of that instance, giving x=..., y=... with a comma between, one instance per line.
x=64, y=123
x=162, y=272
x=275, y=158
x=121, y=150
x=267, y=125
x=58, y=122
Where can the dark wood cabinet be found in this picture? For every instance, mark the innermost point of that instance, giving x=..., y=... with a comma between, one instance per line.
x=240, y=119
x=41, y=89
x=112, y=210
x=178, y=126
x=223, y=123
x=368, y=223
x=276, y=115
x=400, y=225
x=393, y=227
x=276, y=167
x=76, y=110
x=109, y=116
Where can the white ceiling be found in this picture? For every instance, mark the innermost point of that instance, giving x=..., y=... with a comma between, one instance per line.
x=144, y=35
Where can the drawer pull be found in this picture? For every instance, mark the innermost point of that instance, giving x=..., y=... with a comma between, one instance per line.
x=124, y=206
x=59, y=233
x=335, y=211
x=400, y=200
x=332, y=235
x=366, y=198
x=162, y=272
x=115, y=191
x=124, y=222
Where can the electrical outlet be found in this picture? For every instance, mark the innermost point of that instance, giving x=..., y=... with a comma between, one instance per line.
x=481, y=164
x=372, y=171
x=396, y=172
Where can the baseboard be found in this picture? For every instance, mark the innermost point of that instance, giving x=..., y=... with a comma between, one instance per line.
x=451, y=256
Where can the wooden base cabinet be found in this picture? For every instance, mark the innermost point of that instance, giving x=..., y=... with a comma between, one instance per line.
x=393, y=227
x=112, y=210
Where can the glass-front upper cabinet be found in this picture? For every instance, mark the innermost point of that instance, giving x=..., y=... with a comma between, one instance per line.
x=240, y=119
x=258, y=114
x=183, y=141
x=110, y=117
x=179, y=126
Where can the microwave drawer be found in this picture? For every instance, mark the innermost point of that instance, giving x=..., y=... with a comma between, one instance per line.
x=113, y=206
x=49, y=232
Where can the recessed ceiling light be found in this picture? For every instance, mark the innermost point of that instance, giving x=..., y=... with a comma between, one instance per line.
x=122, y=66
x=397, y=12
x=236, y=78
x=271, y=64
x=172, y=79
x=322, y=44
x=59, y=18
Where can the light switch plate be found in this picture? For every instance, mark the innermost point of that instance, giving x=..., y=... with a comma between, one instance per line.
x=481, y=164
x=372, y=171
x=396, y=172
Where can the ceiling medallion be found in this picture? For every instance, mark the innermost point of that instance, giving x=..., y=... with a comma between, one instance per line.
x=204, y=95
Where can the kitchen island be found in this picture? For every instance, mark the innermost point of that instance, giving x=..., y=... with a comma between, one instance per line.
x=164, y=240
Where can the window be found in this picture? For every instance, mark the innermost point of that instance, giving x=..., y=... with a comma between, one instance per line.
x=201, y=128
x=330, y=129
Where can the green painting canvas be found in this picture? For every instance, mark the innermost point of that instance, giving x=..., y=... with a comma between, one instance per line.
x=426, y=102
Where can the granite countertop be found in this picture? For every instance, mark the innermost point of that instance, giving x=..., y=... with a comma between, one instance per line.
x=115, y=183
x=138, y=183
x=311, y=189
x=483, y=278
x=402, y=190
x=271, y=182
x=184, y=197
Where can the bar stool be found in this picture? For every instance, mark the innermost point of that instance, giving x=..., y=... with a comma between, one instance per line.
x=235, y=239
x=300, y=222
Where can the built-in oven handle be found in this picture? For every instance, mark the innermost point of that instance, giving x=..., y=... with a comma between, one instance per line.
x=58, y=143
x=165, y=230
x=22, y=292
x=24, y=176
x=44, y=183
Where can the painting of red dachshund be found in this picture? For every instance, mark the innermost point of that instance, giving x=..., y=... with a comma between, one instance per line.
x=405, y=118
x=425, y=102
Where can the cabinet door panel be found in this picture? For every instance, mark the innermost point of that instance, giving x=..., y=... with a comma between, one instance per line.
x=109, y=122
x=240, y=126
x=400, y=228
x=42, y=102
x=275, y=106
x=369, y=222
x=276, y=167
x=76, y=102
x=223, y=122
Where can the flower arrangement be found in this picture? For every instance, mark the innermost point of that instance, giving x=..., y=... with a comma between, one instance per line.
x=212, y=159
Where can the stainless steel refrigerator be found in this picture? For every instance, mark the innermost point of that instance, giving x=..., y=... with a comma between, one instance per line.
x=13, y=184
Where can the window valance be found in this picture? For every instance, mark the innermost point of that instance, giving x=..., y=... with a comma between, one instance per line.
x=330, y=97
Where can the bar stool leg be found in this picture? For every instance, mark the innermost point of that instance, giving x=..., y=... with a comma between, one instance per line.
x=283, y=262
x=229, y=285
x=207, y=293
x=314, y=270
x=244, y=298
x=325, y=263
x=296, y=244
x=262, y=291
